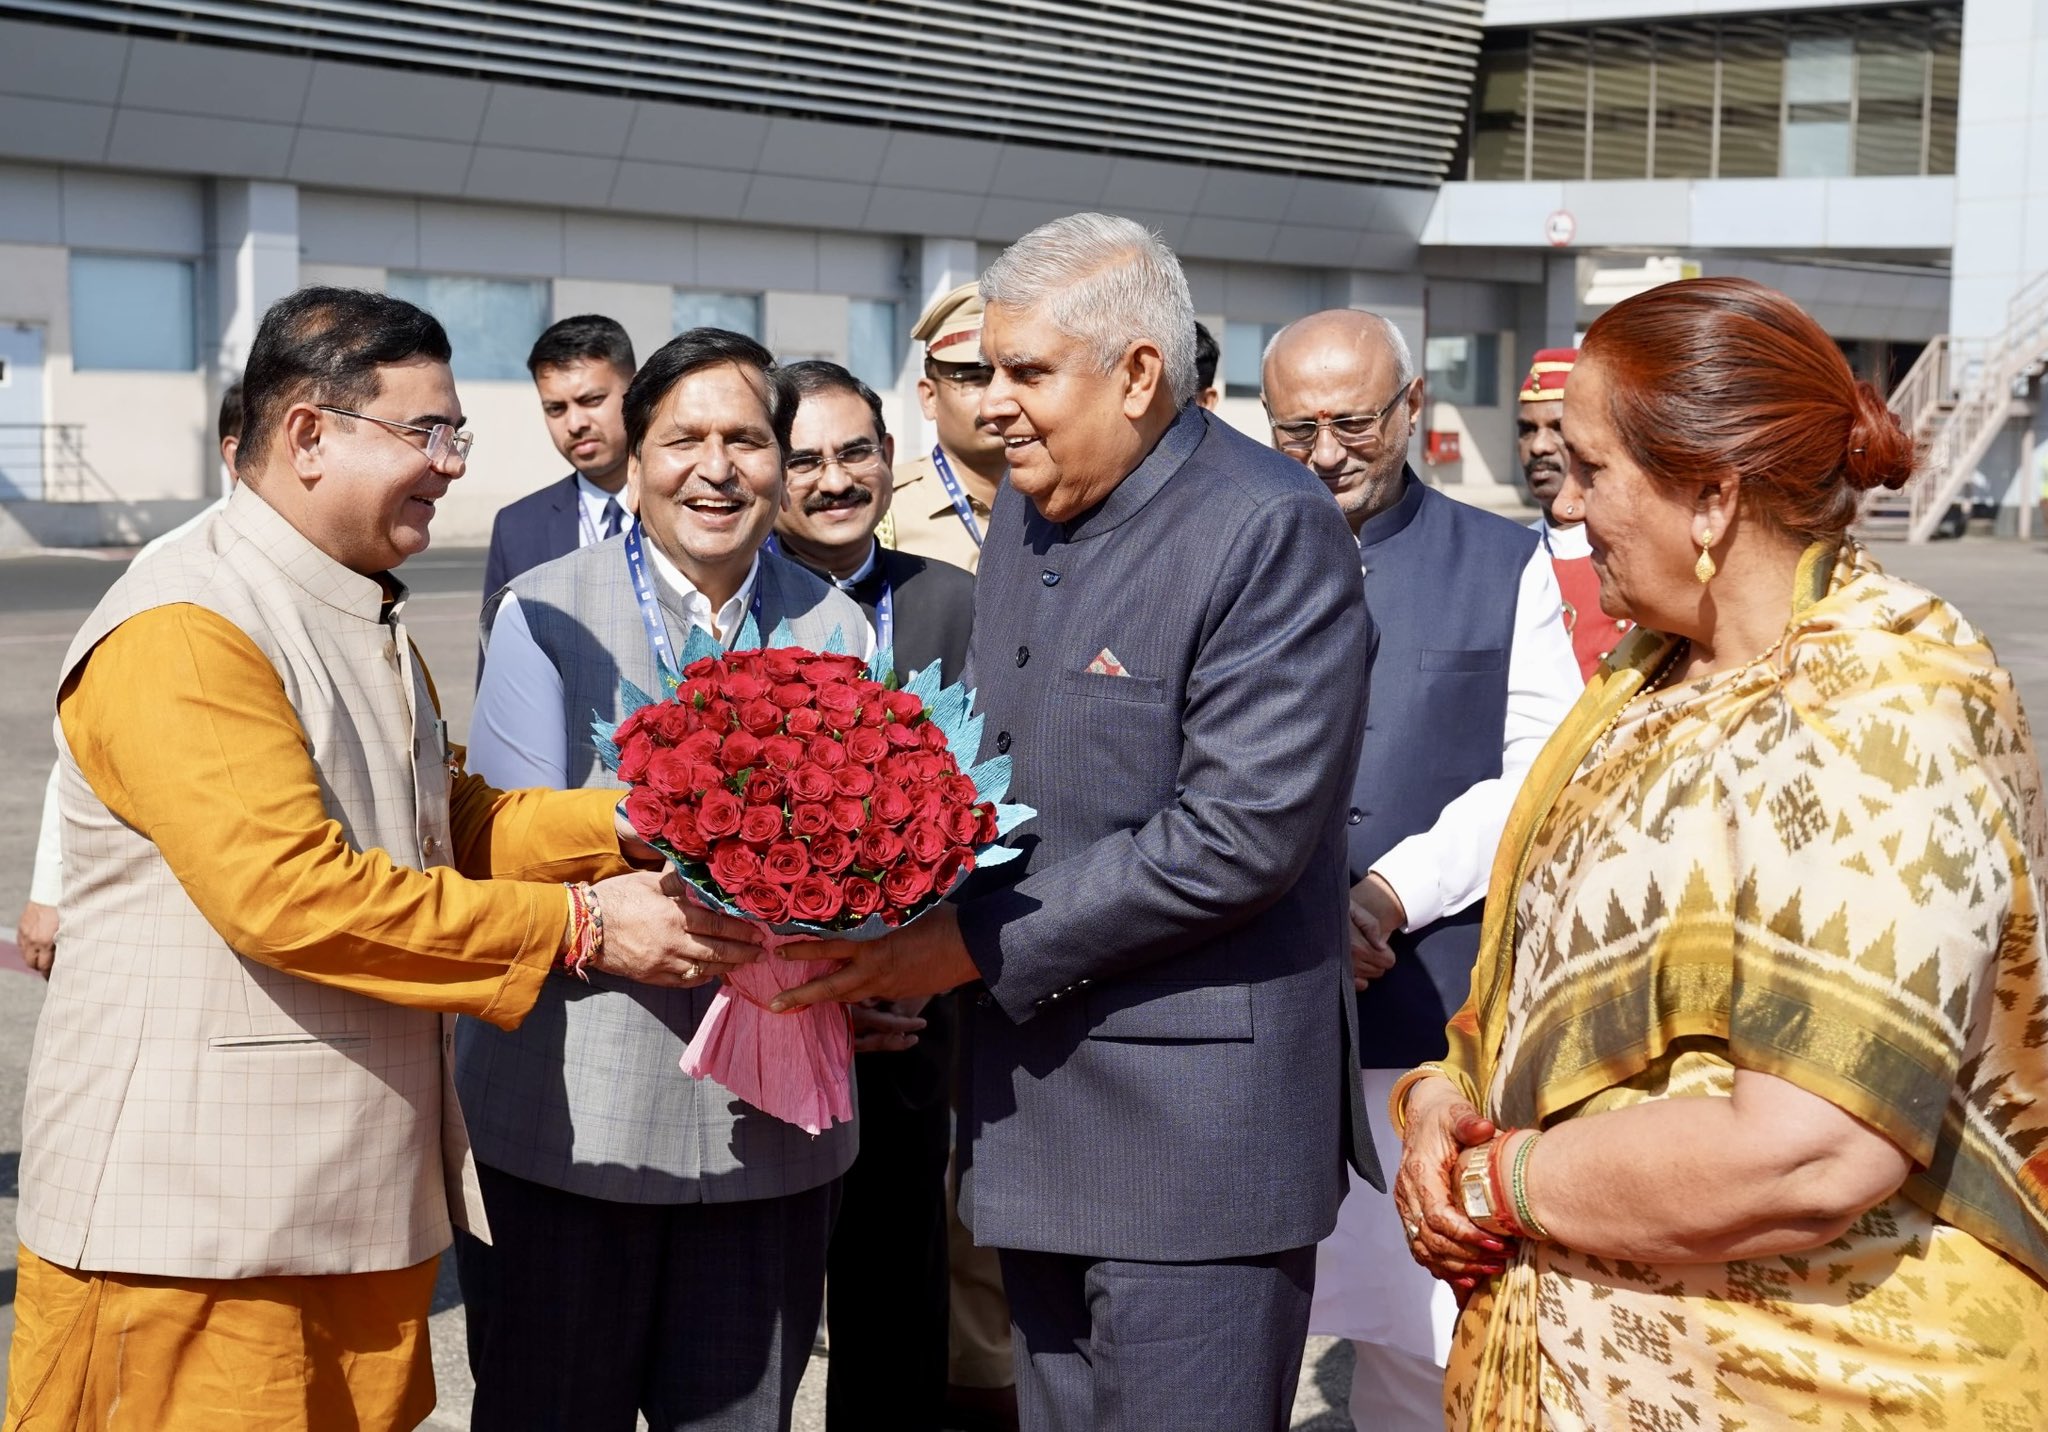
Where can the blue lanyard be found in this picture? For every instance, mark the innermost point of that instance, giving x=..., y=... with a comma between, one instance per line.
x=650, y=609
x=885, y=603
x=956, y=494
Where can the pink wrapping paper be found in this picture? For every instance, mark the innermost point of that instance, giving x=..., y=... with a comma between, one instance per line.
x=797, y=1067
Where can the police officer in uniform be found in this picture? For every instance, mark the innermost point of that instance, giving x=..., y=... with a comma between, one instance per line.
x=943, y=497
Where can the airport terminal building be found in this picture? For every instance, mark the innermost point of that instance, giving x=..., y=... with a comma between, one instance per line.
x=812, y=171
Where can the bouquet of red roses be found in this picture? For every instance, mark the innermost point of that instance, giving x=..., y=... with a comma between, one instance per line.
x=792, y=788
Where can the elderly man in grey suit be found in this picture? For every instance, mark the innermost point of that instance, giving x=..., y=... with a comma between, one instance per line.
x=656, y=1245
x=1172, y=651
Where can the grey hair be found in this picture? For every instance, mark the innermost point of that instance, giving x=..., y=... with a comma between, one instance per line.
x=1107, y=282
x=1397, y=344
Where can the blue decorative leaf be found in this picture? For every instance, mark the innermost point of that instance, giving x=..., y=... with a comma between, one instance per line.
x=632, y=698
x=1009, y=817
x=882, y=667
x=991, y=778
x=924, y=685
x=996, y=855
x=698, y=645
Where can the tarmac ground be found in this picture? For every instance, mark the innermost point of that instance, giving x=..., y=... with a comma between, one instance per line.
x=2001, y=585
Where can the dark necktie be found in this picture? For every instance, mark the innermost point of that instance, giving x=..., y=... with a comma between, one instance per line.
x=614, y=517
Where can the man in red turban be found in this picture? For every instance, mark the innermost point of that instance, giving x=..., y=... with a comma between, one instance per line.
x=1539, y=443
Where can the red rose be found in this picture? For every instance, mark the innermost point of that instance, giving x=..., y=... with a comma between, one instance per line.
x=925, y=840
x=633, y=757
x=933, y=765
x=764, y=787
x=832, y=667
x=932, y=804
x=878, y=848
x=704, y=667
x=789, y=695
x=961, y=823
x=848, y=814
x=906, y=884
x=682, y=833
x=765, y=901
x=760, y=717
x=853, y=781
x=985, y=827
x=952, y=868
x=872, y=714
x=838, y=703
x=810, y=783
x=865, y=747
x=815, y=898
x=734, y=866
x=863, y=897
x=809, y=819
x=961, y=791
x=831, y=852
x=786, y=862
x=646, y=812
x=741, y=750
x=671, y=723
x=700, y=745
x=745, y=686
x=717, y=717
x=782, y=663
x=826, y=752
x=901, y=737
x=781, y=753
x=633, y=723
x=804, y=722
x=890, y=803
x=759, y=824
x=934, y=739
x=903, y=706
x=718, y=813
x=668, y=771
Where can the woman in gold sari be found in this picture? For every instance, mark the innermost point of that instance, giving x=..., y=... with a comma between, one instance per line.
x=1745, y=1124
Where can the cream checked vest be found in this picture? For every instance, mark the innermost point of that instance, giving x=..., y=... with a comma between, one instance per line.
x=194, y=1114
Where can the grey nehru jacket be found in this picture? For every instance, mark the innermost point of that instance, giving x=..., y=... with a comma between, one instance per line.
x=587, y=1094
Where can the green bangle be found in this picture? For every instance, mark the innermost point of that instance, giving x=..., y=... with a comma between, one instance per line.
x=1518, y=1189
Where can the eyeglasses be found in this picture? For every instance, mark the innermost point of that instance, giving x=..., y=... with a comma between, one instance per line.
x=1360, y=434
x=444, y=444
x=853, y=460
x=960, y=375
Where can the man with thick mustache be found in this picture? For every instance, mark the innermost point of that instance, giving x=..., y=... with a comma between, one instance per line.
x=657, y=1246
x=887, y=1271
x=1539, y=443
x=1472, y=674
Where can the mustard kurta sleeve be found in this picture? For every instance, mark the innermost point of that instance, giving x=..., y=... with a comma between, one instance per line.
x=181, y=726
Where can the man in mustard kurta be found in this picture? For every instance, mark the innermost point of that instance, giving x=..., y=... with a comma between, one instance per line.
x=237, y=1149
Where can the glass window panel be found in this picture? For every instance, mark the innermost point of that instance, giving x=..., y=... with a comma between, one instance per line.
x=874, y=348
x=1500, y=120
x=1944, y=79
x=734, y=312
x=1685, y=103
x=491, y=322
x=136, y=314
x=1463, y=368
x=1891, y=95
x=1557, y=126
x=1752, y=91
x=1819, y=69
x=1621, y=104
x=1820, y=72
x=1244, y=351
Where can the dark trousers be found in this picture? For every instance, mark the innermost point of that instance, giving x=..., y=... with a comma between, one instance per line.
x=887, y=1285
x=1111, y=1346
x=583, y=1312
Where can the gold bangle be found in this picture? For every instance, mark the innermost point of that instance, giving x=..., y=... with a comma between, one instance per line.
x=1397, y=1097
x=1518, y=1188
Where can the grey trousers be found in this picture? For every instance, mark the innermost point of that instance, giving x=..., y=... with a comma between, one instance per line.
x=1111, y=1346
x=582, y=1311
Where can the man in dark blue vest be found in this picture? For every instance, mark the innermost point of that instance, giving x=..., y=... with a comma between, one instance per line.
x=1473, y=671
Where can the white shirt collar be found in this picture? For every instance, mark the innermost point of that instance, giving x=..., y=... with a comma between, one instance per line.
x=866, y=570
x=1566, y=543
x=697, y=606
x=592, y=499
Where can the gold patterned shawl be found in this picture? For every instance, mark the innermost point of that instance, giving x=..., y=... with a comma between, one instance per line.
x=1829, y=864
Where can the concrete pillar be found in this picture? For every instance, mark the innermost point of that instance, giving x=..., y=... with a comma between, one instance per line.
x=2001, y=230
x=255, y=251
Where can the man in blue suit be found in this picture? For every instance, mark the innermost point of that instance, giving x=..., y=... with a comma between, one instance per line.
x=1171, y=647
x=581, y=367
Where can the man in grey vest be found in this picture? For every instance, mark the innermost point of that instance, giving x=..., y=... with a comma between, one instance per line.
x=1474, y=670
x=657, y=1245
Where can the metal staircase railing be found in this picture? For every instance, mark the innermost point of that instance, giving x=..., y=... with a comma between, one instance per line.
x=1956, y=400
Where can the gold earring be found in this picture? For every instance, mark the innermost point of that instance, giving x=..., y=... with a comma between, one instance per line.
x=1704, y=569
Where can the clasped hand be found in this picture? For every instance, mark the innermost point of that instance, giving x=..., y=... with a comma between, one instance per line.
x=1441, y=1125
x=656, y=932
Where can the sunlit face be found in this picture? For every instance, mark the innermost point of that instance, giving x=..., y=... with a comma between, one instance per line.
x=709, y=471
x=838, y=475
x=950, y=394
x=1066, y=425
x=1539, y=443
x=1641, y=530
x=1316, y=378
x=375, y=498
x=583, y=403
